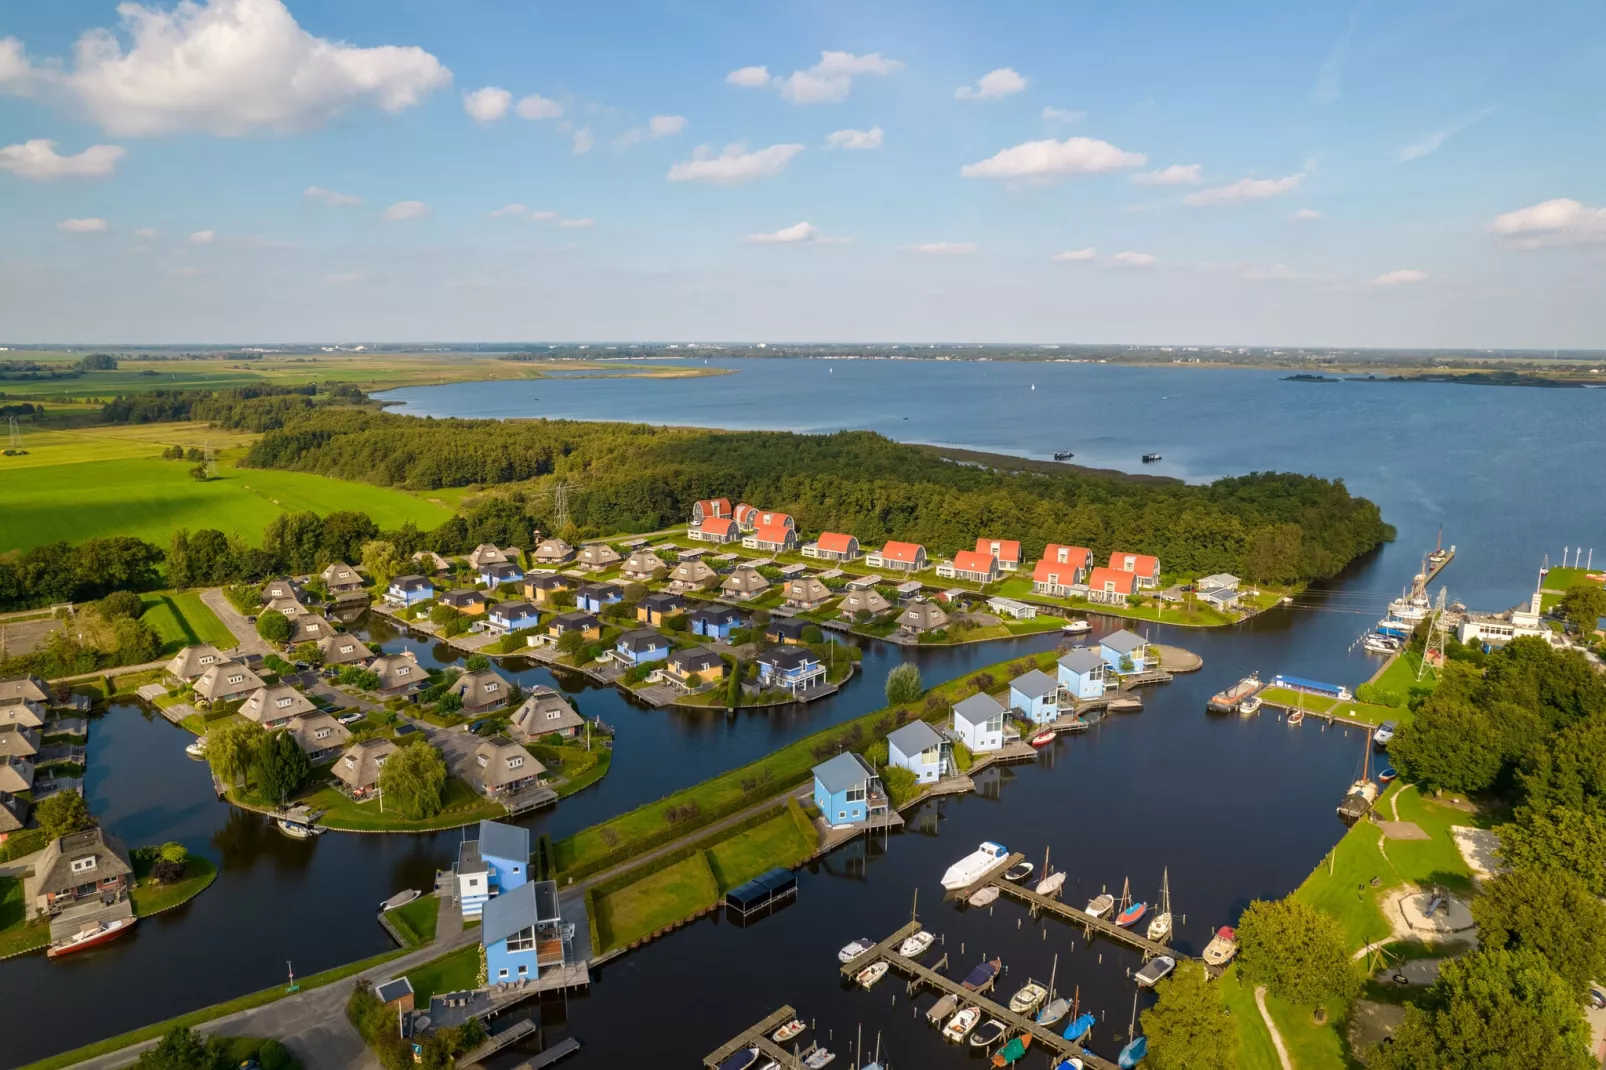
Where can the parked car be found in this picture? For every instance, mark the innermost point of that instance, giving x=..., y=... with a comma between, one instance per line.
x=1384, y=733
x=1597, y=998
x=350, y=717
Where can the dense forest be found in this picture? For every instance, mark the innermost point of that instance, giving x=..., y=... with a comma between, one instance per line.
x=631, y=477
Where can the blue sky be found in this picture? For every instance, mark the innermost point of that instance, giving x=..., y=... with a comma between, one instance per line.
x=1412, y=174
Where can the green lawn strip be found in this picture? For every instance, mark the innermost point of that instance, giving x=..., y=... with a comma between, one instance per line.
x=1255, y=1051
x=461, y=806
x=416, y=921
x=152, y=898
x=449, y=973
x=777, y=842
x=182, y=620
x=667, y=895
x=1320, y=704
x=207, y=1014
x=1400, y=677
x=16, y=935
x=1341, y=884
x=580, y=767
x=1311, y=1045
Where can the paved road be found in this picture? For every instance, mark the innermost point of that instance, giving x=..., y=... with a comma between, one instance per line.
x=245, y=633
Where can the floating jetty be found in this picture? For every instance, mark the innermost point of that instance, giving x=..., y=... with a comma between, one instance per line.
x=757, y=1036
x=1227, y=701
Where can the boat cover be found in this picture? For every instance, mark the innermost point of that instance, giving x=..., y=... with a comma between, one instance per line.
x=1011, y=1051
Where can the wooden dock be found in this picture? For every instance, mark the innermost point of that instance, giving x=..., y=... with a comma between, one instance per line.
x=1043, y=1037
x=494, y=1043
x=757, y=1036
x=1042, y=904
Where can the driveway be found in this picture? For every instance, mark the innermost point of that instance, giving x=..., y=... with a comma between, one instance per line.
x=245, y=634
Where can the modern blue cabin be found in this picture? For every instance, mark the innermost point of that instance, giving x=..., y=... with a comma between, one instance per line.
x=408, y=590
x=523, y=933
x=1036, y=695
x=591, y=597
x=1125, y=651
x=847, y=791
x=497, y=862
x=715, y=622
x=1081, y=674
x=918, y=748
x=640, y=647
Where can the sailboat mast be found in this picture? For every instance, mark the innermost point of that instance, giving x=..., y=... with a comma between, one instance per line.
x=1053, y=971
x=1132, y=1027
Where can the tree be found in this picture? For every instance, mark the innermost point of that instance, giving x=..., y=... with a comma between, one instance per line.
x=382, y=561
x=1492, y=1010
x=477, y=663
x=1190, y=1028
x=285, y=767
x=441, y=614
x=1295, y=950
x=174, y=852
x=1561, y=837
x=231, y=748
x=450, y=704
x=1583, y=605
x=120, y=605
x=344, y=534
x=1451, y=744
x=412, y=780
x=274, y=627
x=64, y=813
x=572, y=641
x=904, y=684
x=135, y=642
x=1550, y=911
x=309, y=652
x=182, y=1048
x=733, y=689
x=295, y=540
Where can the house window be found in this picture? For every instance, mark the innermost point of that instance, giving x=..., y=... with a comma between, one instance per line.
x=83, y=865
x=490, y=689
x=207, y=659
x=524, y=971
x=236, y=678
x=514, y=763
x=841, y=814
x=347, y=649
x=284, y=702
x=473, y=882
x=854, y=795
x=502, y=972
x=523, y=940
x=321, y=733
x=404, y=671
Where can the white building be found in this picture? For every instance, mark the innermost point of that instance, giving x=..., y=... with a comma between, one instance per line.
x=979, y=723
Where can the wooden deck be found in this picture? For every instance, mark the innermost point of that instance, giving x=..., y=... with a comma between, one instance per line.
x=757, y=1036
x=1080, y=918
x=494, y=1043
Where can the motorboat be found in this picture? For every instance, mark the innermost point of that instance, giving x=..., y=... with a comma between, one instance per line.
x=1296, y=716
x=942, y=1008
x=788, y=1031
x=1019, y=871
x=1130, y=916
x=1387, y=774
x=1053, y=1011
x=988, y=1033
x=100, y=933
x=1101, y=904
x=740, y=1060
x=960, y=1025
x=1051, y=884
x=872, y=973
x=1026, y=1000
x=817, y=1058
x=1013, y=1052
x=1226, y=700
x=1071, y=1063
x=1250, y=705
x=1043, y=738
x=1133, y=1053
x=770, y=1064
x=984, y=897
x=917, y=945
x=982, y=975
x=1378, y=643
x=1222, y=947
x=855, y=949
x=974, y=866
x=197, y=748
x=400, y=899
x=298, y=824
x=1080, y=1027
x=1154, y=970
x=1150, y=458
x=1384, y=734
x=1075, y=627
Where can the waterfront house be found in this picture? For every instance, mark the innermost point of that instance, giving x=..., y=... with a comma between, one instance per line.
x=693, y=574
x=1005, y=551
x=1081, y=674
x=430, y=561
x=806, y=593
x=81, y=866
x=773, y=538
x=870, y=602
x=920, y=617
x=19, y=741
x=918, y=748
x=22, y=715
x=899, y=556
x=488, y=554
x=358, y=769
x=506, y=617
x=644, y=566
x=1222, y=598
x=591, y=597
x=577, y=621
x=787, y=630
x=481, y=691
x=227, y=681
x=16, y=775
x=700, y=662
x=970, y=565
x=319, y=735
x=654, y=609
x=523, y=933
x=1111, y=586
x=1144, y=567
x=499, y=572
x=552, y=551
x=496, y=863
x=290, y=607
x=15, y=690
x=744, y=585
x=1061, y=568
x=540, y=587
x=274, y=707
x=848, y=792
x=1036, y=695
x=864, y=583
x=718, y=529
x=714, y=622
x=979, y=722
x=640, y=647
x=1125, y=651
x=14, y=812
x=793, y=668
x=597, y=557
x=833, y=546
x=284, y=587
x=1010, y=607
x=469, y=603
x=505, y=768
x=398, y=674
x=709, y=509
x=188, y=664
x=309, y=628
x=746, y=516
x=1219, y=579
x=409, y=590
x=341, y=578
x=343, y=649
x=545, y=712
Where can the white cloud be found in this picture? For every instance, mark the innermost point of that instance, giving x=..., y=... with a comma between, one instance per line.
x=943, y=248
x=577, y=224
x=749, y=77
x=792, y=235
x=1054, y=159
x=827, y=82
x=1052, y=114
x=1178, y=174
x=1131, y=259
x=733, y=164
x=38, y=161
x=82, y=226
x=229, y=67
x=543, y=216
x=992, y=86
x=583, y=141
x=145, y=233
x=1306, y=215
x=855, y=139
x=1400, y=278
x=17, y=72
x=1562, y=221
x=330, y=197
x=1330, y=77
x=203, y=237
x=1071, y=255
x=535, y=107
x=1433, y=141
x=343, y=278
x=404, y=210
x=666, y=125
x=1245, y=189
x=487, y=105
x=509, y=210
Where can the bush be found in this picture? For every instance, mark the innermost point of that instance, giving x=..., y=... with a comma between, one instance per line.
x=275, y=1056
x=904, y=684
x=274, y=627
x=1378, y=696
x=450, y=704
x=174, y=852
x=120, y=605
x=167, y=872
x=477, y=662
x=900, y=783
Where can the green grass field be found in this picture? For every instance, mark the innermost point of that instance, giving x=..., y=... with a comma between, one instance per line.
x=1255, y=1051
x=461, y=805
x=777, y=842
x=183, y=619
x=642, y=908
x=16, y=936
x=417, y=920
x=1357, y=711
x=451, y=973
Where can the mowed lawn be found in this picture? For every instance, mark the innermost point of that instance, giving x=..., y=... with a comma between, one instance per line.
x=183, y=619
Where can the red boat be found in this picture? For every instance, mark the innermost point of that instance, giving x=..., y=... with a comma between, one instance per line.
x=84, y=939
x=1131, y=914
x=1043, y=738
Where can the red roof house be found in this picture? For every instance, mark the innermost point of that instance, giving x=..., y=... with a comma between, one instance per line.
x=833, y=546
x=905, y=556
x=709, y=508
x=1144, y=567
x=971, y=565
x=1111, y=585
x=1005, y=551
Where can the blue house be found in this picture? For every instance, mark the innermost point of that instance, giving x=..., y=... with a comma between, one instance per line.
x=497, y=862
x=714, y=622
x=1124, y=646
x=640, y=647
x=847, y=791
x=494, y=575
x=1082, y=673
x=406, y=590
x=792, y=668
x=1036, y=694
x=979, y=722
x=512, y=616
x=593, y=596
x=918, y=748
x=523, y=933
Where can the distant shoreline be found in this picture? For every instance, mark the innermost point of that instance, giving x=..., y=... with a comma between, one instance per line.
x=1477, y=378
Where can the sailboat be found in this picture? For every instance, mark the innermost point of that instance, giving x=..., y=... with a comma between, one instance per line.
x=1057, y=1007
x=1160, y=924
x=1052, y=882
x=1081, y=1023
x=1130, y=912
x=1137, y=1047
x=1363, y=792
x=1297, y=714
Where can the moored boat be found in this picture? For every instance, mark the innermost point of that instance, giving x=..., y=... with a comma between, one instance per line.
x=1019, y=871
x=817, y=1058
x=1155, y=969
x=84, y=939
x=740, y=1060
x=1080, y=1026
x=1014, y=1051
x=855, y=949
x=1101, y=904
x=1075, y=627
x=1053, y=1011
x=298, y=824
x=984, y=896
x=1051, y=884
x=1131, y=915
x=974, y=866
x=1296, y=716
x=988, y=1033
x=1250, y=705
x=1226, y=700
x=1222, y=947
x=960, y=1025
x=788, y=1031
x=942, y=1008
x=1133, y=1053
x=1071, y=1063
x=1043, y=738
x=872, y=973
x=982, y=976
x=197, y=748
x=917, y=945
x=1160, y=925
x=1027, y=999
x=1362, y=793
x=1386, y=774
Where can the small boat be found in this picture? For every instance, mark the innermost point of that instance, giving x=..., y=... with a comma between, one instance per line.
x=1296, y=716
x=1150, y=458
x=400, y=899
x=960, y=1025
x=1027, y=999
x=297, y=823
x=1101, y=905
x=1378, y=643
x=817, y=1058
x=1061, y=455
x=84, y=939
x=1160, y=925
x=1075, y=627
x=1385, y=733
x=984, y=897
x=872, y=973
x=1051, y=884
x=1080, y=1027
x=197, y=748
x=1250, y=705
x=917, y=945
x=740, y=1060
x=1014, y=1051
x=1019, y=871
x=1227, y=700
x=942, y=1008
x=855, y=949
x=1133, y=1053
x=1053, y=1011
x=988, y=1033
x=1156, y=969
x=1071, y=1063
x=1386, y=775
x=770, y=1064
x=982, y=975
x=974, y=866
x=1130, y=915
x=1362, y=793
x=1043, y=738
x=788, y=1031
x=1222, y=947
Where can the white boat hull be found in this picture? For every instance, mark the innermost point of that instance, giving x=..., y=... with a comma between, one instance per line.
x=974, y=866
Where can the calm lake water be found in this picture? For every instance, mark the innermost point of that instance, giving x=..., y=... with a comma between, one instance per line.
x=1236, y=808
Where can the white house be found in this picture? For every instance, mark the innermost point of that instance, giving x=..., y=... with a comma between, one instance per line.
x=979, y=723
